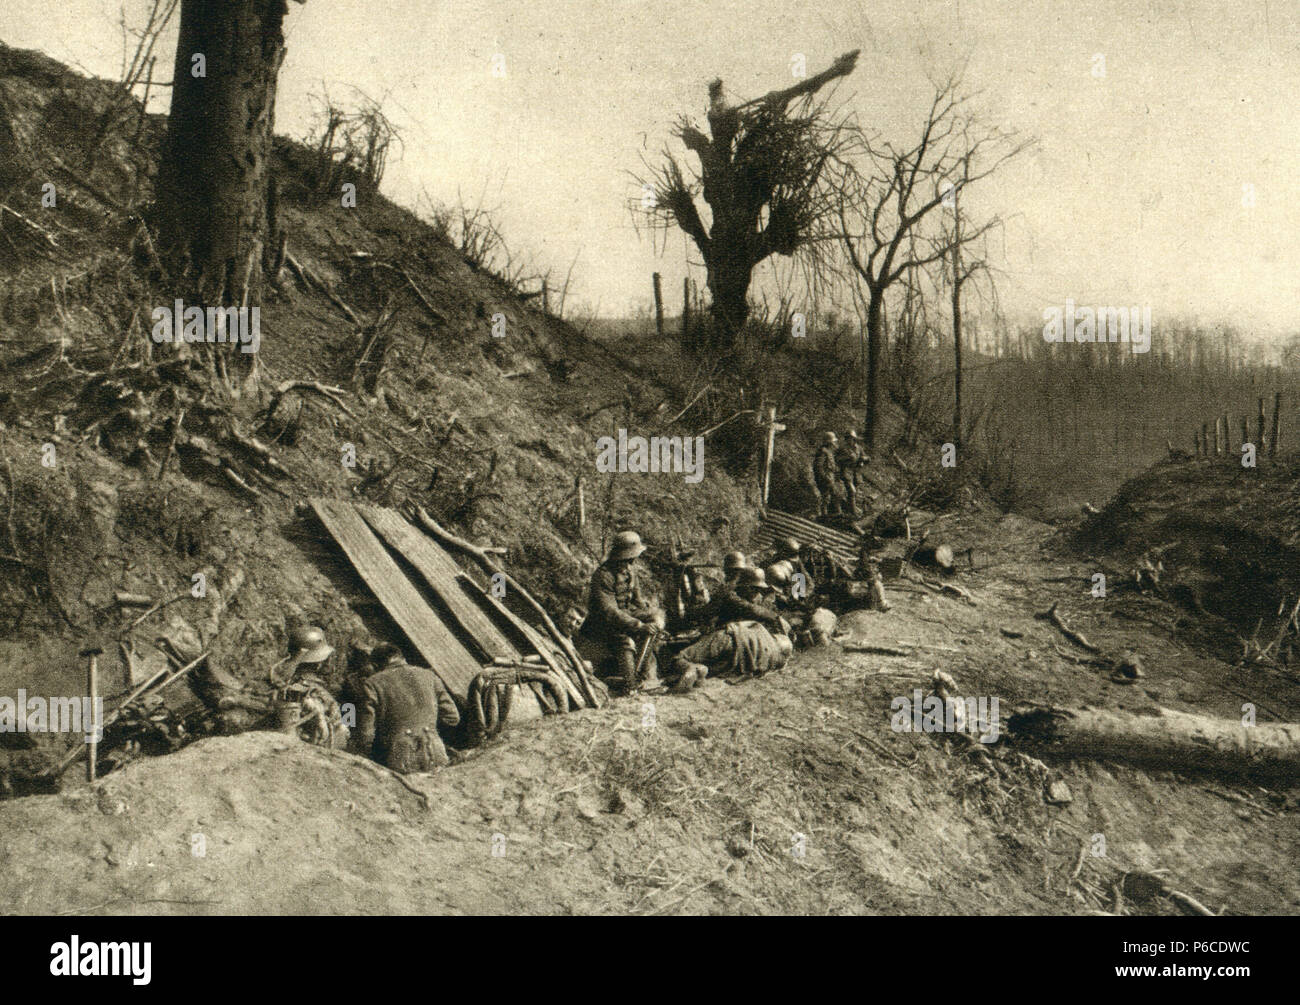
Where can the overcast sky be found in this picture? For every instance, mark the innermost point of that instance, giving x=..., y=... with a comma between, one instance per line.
x=1134, y=196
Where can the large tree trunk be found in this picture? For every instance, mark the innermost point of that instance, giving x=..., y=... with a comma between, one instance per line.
x=212, y=191
x=875, y=338
x=1171, y=740
x=728, y=280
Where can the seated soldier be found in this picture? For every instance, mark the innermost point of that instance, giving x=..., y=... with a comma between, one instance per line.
x=401, y=709
x=620, y=619
x=747, y=600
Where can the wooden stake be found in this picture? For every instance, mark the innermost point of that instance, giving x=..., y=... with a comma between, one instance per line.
x=93, y=690
x=1277, y=421
x=659, y=306
x=1259, y=428
x=582, y=505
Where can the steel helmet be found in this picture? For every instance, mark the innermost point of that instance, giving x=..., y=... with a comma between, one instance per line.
x=778, y=574
x=734, y=560
x=830, y=437
x=307, y=645
x=627, y=545
x=752, y=578
x=790, y=546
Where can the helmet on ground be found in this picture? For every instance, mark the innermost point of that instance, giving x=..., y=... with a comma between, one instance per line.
x=784, y=644
x=734, y=560
x=627, y=545
x=307, y=645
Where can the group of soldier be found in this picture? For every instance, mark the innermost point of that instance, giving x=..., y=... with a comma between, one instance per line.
x=836, y=468
x=398, y=714
x=747, y=628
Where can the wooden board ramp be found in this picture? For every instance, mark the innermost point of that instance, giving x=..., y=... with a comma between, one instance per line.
x=488, y=624
x=445, y=653
x=775, y=525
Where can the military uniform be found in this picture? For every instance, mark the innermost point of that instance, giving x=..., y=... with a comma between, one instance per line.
x=826, y=476
x=617, y=613
x=397, y=723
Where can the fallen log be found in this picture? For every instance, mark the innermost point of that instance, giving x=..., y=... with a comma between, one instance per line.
x=1178, y=741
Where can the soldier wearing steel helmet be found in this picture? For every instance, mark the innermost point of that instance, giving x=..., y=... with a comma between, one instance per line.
x=826, y=476
x=619, y=617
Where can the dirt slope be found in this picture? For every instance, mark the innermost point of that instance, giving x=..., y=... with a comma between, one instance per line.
x=701, y=812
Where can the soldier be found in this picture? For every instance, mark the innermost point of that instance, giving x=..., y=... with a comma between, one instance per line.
x=401, y=709
x=619, y=617
x=742, y=643
x=731, y=566
x=747, y=600
x=826, y=476
x=849, y=458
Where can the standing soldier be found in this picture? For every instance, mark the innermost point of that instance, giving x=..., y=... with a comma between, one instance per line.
x=825, y=476
x=848, y=459
x=619, y=617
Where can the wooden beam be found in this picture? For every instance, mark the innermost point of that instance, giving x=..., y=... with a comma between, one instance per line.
x=446, y=655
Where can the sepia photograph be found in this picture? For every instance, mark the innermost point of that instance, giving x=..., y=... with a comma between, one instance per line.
x=612, y=458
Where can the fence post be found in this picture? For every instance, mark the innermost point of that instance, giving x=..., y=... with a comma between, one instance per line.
x=1259, y=428
x=659, y=306
x=1277, y=422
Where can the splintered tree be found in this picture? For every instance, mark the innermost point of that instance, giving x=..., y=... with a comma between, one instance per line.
x=211, y=211
x=762, y=172
x=887, y=194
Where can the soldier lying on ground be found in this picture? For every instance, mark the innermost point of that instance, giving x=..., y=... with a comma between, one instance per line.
x=619, y=619
x=746, y=648
x=400, y=711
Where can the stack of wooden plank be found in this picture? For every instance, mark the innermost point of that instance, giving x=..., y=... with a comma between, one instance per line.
x=451, y=621
x=775, y=525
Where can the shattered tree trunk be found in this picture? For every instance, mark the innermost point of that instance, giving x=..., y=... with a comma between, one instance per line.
x=213, y=179
x=1171, y=740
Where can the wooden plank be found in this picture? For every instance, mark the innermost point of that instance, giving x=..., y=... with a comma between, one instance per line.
x=469, y=604
x=455, y=666
x=443, y=576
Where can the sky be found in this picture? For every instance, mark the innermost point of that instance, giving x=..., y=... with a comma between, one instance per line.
x=1169, y=180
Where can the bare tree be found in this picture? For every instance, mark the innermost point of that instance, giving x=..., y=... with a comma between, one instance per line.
x=761, y=173
x=886, y=194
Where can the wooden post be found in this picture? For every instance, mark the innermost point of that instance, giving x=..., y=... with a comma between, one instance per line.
x=582, y=505
x=1227, y=432
x=1245, y=430
x=659, y=306
x=1259, y=428
x=686, y=310
x=1218, y=438
x=773, y=427
x=1205, y=437
x=1277, y=421
x=546, y=297
x=92, y=688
